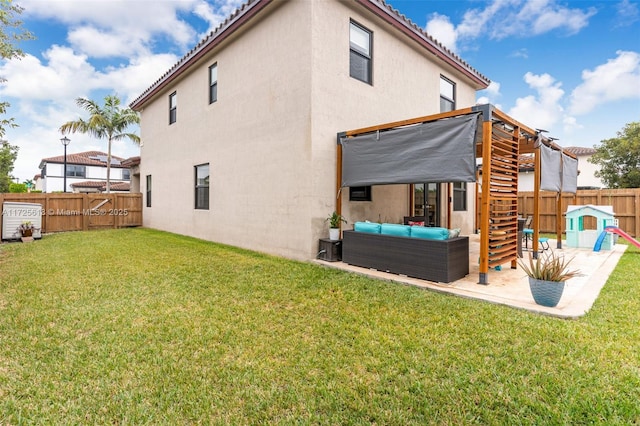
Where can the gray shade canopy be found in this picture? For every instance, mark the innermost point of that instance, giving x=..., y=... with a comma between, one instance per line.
x=558, y=171
x=439, y=151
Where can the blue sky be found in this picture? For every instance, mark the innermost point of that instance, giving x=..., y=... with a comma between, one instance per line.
x=570, y=67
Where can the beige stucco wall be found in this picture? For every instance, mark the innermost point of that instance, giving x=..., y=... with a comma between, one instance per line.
x=284, y=92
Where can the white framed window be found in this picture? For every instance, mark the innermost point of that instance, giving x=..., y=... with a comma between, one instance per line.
x=173, y=107
x=447, y=95
x=360, y=53
x=213, y=83
x=202, y=187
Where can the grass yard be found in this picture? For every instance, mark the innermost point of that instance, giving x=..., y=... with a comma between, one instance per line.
x=137, y=326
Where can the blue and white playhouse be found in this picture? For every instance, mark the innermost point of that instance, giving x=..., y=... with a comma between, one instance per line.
x=578, y=236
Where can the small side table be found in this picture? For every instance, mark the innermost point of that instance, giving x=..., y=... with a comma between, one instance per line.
x=330, y=250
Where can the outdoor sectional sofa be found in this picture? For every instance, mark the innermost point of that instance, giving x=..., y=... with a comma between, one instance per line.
x=416, y=251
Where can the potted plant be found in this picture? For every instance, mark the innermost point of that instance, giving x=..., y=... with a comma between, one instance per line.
x=26, y=229
x=547, y=276
x=335, y=220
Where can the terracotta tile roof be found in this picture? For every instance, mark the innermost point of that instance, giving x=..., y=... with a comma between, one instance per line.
x=526, y=162
x=87, y=158
x=251, y=8
x=131, y=161
x=102, y=185
x=579, y=150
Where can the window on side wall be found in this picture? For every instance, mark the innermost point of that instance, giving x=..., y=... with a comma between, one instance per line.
x=173, y=107
x=76, y=171
x=359, y=193
x=148, y=190
x=202, y=187
x=459, y=196
x=126, y=174
x=447, y=95
x=360, y=53
x=213, y=83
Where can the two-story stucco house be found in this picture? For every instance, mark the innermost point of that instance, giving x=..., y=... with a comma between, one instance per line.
x=86, y=172
x=239, y=137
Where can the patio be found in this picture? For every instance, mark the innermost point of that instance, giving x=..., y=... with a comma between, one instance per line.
x=511, y=286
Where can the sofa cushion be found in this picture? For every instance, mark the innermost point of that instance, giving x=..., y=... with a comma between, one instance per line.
x=370, y=227
x=429, y=233
x=453, y=233
x=395, y=229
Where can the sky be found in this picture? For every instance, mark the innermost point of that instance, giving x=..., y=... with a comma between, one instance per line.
x=569, y=67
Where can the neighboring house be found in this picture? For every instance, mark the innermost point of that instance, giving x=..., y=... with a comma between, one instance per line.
x=89, y=166
x=37, y=180
x=239, y=137
x=133, y=163
x=586, y=170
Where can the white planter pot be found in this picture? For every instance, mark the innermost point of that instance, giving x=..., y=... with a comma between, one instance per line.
x=334, y=234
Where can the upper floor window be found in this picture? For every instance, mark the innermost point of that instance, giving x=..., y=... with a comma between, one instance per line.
x=213, y=83
x=202, y=187
x=173, y=107
x=447, y=95
x=126, y=174
x=74, y=170
x=360, y=57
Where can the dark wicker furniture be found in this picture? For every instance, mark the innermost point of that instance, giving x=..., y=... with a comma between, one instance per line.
x=433, y=260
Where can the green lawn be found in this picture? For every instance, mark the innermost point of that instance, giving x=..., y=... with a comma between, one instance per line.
x=137, y=326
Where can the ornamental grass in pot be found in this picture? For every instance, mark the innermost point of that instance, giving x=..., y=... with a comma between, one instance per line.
x=548, y=274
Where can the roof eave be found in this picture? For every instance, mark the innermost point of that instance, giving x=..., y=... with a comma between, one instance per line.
x=404, y=25
x=226, y=29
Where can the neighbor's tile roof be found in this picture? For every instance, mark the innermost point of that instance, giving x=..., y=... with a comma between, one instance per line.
x=84, y=158
x=580, y=150
x=131, y=161
x=102, y=185
x=527, y=160
x=251, y=8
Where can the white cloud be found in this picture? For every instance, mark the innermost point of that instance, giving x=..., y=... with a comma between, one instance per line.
x=125, y=24
x=543, y=110
x=441, y=28
x=616, y=80
x=509, y=18
x=490, y=94
x=627, y=13
x=104, y=44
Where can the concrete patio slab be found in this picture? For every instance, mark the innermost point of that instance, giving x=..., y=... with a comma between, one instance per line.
x=511, y=286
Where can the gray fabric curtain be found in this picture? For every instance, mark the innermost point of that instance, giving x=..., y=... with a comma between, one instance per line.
x=550, y=169
x=569, y=174
x=438, y=151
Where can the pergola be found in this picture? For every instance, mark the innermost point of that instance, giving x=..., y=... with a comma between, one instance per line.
x=366, y=155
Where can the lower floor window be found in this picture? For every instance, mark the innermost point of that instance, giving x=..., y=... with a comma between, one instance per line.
x=148, y=190
x=202, y=187
x=460, y=196
x=359, y=193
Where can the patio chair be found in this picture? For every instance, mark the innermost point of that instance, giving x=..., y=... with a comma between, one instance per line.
x=527, y=232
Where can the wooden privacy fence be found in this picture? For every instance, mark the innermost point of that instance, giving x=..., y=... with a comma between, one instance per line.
x=625, y=202
x=83, y=212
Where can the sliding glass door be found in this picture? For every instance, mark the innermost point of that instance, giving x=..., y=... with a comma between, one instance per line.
x=426, y=202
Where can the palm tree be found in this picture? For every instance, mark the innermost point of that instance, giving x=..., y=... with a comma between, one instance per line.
x=109, y=121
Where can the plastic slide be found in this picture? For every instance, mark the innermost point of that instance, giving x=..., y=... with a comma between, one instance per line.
x=615, y=230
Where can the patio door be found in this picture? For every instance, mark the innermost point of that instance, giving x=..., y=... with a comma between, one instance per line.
x=427, y=202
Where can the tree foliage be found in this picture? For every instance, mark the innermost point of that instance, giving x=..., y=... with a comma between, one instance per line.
x=619, y=158
x=11, y=33
x=109, y=121
x=8, y=155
